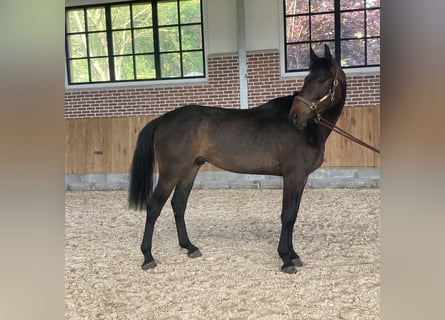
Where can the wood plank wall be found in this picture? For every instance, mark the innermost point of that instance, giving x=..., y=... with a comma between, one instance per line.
x=106, y=145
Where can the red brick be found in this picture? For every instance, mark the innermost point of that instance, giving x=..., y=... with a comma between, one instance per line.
x=222, y=89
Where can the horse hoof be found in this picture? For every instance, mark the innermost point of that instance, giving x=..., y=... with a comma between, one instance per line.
x=297, y=262
x=289, y=270
x=149, y=265
x=195, y=254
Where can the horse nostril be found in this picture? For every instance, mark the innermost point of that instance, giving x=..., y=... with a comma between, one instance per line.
x=300, y=125
x=293, y=118
x=296, y=122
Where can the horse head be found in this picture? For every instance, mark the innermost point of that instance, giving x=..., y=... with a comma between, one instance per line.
x=322, y=89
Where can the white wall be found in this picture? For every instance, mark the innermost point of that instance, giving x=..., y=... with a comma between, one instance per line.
x=262, y=24
x=222, y=34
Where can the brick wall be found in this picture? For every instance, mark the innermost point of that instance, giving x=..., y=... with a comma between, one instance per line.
x=222, y=89
x=363, y=90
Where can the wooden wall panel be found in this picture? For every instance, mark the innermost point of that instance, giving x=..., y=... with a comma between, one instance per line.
x=101, y=145
x=363, y=123
x=106, y=145
x=74, y=146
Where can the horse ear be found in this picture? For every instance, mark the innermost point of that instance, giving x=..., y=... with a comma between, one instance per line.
x=313, y=57
x=327, y=52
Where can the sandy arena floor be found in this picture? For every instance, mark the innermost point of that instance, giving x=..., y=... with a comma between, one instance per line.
x=238, y=276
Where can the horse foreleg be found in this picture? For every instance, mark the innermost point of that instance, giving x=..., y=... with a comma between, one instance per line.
x=293, y=255
x=179, y=204
x=154, y=207
x=292, y=191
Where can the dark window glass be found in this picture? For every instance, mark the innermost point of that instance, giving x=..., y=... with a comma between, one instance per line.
x=150, y=40
x=351, y=28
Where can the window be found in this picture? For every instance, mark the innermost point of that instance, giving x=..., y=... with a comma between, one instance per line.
x=131, y=41
x=351, y=28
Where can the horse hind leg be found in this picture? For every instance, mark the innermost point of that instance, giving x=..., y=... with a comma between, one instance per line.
x=179, y=204
x=154, y=207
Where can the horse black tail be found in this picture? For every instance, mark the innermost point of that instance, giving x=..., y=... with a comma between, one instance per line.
x=141, y=177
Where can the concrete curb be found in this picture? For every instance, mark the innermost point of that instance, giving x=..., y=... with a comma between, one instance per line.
x=321, y=178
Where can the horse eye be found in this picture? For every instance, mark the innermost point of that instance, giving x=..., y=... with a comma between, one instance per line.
x=321, y=80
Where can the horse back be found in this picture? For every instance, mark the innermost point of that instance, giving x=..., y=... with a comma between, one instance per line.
x=256, y=140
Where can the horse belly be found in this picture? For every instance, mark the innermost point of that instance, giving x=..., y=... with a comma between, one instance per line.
x=252, y=167
x=240, y=158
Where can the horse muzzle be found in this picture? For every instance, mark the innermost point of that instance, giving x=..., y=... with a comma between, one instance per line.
x=299, y=121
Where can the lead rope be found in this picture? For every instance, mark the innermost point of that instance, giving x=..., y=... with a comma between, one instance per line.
x=345, y=134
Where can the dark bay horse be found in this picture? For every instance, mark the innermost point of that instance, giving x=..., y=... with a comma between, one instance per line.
x=281, y=138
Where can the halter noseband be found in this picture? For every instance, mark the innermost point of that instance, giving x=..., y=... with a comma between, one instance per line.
x=314, y=105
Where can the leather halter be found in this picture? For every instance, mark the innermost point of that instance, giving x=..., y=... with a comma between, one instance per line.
x=314, y=105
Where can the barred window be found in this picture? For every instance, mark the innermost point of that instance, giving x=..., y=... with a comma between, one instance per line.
x=133, y=41
x=351, y=28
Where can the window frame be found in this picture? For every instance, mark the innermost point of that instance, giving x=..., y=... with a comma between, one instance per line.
x=70, y=5
x=337, y=40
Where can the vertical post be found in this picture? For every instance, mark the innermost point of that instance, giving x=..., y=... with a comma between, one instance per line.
x=337, y=31
x=242, y=55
